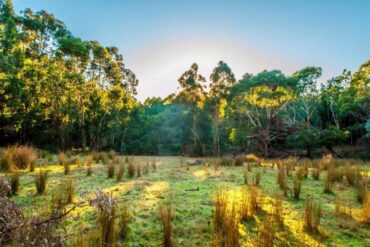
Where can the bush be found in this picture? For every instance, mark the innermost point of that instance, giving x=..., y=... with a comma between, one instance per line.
x=245, y=177
x=18, y=157
x=278, y=212
x=40, y=181
x=33, y=166
x=226, y=161
x=138, y=170
x=257, y=179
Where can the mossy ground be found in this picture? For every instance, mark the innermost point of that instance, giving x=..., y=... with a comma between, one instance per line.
x=191, y=193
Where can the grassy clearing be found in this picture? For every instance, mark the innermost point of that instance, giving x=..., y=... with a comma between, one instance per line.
x=191, y=189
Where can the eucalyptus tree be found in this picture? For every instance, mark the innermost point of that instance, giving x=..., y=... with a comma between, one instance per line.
x=222, y=79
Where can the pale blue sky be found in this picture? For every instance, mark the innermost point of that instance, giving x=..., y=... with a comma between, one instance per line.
x=161, y=39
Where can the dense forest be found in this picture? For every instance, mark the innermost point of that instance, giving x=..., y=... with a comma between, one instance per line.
x=59, y=92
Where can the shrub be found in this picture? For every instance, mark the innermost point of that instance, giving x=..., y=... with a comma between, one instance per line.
x=123, y=223
x=297, y=187
x=62, y=159
x=315, y=173
x=89, y=160
x=67, y=168
x=121, y=171
x=312, y=216
x=255, y=200
x=18, y=157
x=131, y=170
x=14, y=182
x=77, y=161
x=40, y=181
x=111, y=168
x=165, y=217
x=350, y=174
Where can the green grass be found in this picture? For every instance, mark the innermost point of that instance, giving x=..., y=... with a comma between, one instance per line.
x=191, y=193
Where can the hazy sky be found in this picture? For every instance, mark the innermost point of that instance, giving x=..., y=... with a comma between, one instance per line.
x=161, y=39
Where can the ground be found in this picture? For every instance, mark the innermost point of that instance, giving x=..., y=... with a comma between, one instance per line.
x=191, y=191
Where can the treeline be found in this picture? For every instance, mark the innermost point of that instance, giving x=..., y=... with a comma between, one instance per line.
x=59, y=92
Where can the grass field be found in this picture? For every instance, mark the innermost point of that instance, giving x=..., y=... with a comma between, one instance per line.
x=191, y=191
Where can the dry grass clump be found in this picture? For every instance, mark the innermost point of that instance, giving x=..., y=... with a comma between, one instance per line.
x=297, y=183
x=226, y=161
x=225, y=221
x=70, y=191
x=350, y=174
x=154, y=165
x=315, y=173
x=120, y=173
x=101, y=156
x=40, y=182
x=146, y=168
x=89, y=160
x=106, y=206
x=342, y=209
x=312, y=216
x=112, y=154
x=62, y=159
x=124, y=218
x=111, y=169
x=252, y=158
x=165, y=217
x=366, y=209
x=11, y=216
x=33, y=166
x=14, y=182
x=5, y=187
x=326, y=162
x=281, y=177
x=245, y=176
x=17, y=157
x=67, y=168
x=362, y=189
x=138, y=170
x=131, y=170
x=239, y=160
x=257, y=179
x=266, y=233
x=278, y=212
x=89, y=170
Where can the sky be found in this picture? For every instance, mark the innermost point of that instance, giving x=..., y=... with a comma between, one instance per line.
x=160, y=39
